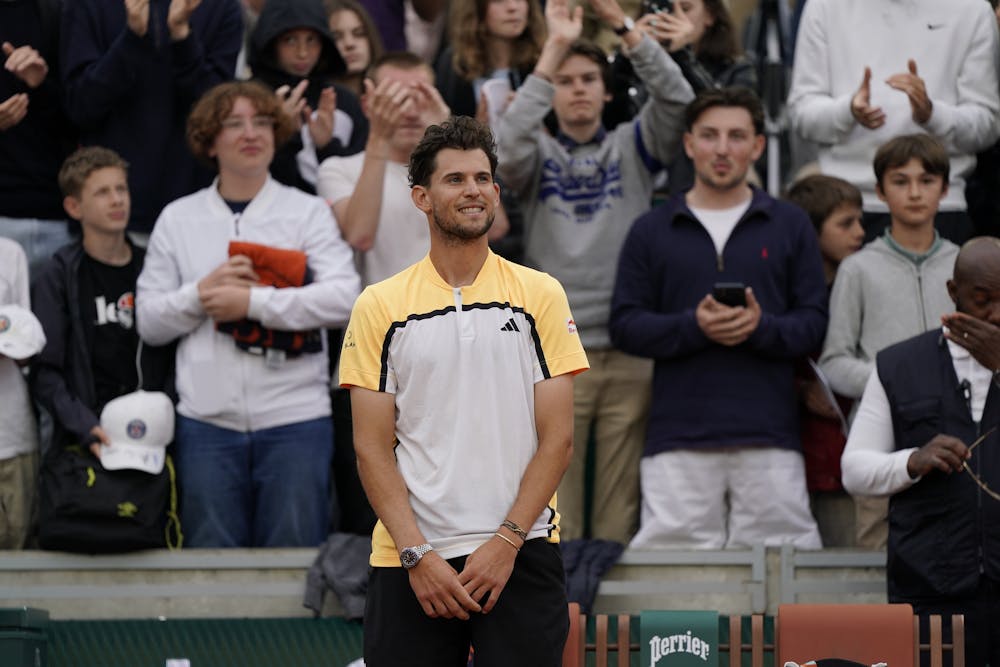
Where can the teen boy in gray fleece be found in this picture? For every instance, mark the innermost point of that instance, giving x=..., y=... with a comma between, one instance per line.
x=892, y=289
x=580, y=191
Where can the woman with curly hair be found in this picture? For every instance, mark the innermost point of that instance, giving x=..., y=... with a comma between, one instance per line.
x=490, y=39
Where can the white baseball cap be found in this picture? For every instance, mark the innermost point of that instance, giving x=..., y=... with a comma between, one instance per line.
x=21, y=334
x=139, y=425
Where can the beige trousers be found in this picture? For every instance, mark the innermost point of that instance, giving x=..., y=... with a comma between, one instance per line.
x=613, y=398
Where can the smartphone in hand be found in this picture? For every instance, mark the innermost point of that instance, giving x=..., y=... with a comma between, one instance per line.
x=730, y=294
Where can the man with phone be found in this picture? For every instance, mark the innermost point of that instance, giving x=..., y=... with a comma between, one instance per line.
x=723, y=287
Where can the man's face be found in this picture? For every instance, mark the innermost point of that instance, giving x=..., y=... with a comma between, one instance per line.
x=244, y=145
x=723, y=145
x=416, y=116
x=841, y=234
x=460, y=196
x=104, y=203
x=579, y=92
x=912, y=193
x=978, y=294
x=298, y=51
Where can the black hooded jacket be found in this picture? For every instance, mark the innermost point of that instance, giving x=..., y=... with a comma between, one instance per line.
x=276, y=19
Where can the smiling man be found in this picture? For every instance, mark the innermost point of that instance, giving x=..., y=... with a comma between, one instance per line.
x=722, y=465
x=461, y=376
x=579, y=191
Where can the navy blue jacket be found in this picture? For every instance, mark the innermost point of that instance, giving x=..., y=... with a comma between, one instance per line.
x=944, y=531
x=133, y=94
x=32, y=151
x=706, y=395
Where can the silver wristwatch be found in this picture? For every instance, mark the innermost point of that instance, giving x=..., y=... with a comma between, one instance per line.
x=410, y=556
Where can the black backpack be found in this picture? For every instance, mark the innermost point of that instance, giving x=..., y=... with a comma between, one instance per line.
x=84, y=508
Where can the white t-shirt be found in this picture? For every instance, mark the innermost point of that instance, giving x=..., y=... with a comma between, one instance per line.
x=402, y=237
x=720, y=222
x=18, y=435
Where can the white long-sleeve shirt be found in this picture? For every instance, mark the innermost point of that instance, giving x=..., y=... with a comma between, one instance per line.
x=870, y=464
x=956, y=48
x=217, y=382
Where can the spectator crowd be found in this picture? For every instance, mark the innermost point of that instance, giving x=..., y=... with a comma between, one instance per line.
x=197, y=192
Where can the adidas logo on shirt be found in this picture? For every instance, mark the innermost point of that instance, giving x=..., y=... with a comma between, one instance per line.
x=510, y=326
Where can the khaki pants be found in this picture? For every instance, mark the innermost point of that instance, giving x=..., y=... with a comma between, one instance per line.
x=613, y=397
x=871, y=516
x=17, y=495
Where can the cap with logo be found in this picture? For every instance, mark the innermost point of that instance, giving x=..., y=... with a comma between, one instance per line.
x=21, y=334
x=139, y=425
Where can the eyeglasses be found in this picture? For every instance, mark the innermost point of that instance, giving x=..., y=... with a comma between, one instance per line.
x=238, y=124
x=975, y=478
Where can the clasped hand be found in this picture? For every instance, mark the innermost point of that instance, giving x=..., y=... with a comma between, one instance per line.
x=225, y=292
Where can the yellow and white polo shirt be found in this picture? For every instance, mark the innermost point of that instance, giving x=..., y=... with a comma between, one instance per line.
x=462, y=363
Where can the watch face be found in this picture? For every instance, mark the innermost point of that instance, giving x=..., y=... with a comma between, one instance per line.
x=409, y=557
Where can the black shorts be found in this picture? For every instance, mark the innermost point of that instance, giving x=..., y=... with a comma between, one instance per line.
x=528, y=625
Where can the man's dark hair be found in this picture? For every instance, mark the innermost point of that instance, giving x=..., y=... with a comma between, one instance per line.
x=733, y=96
x=593, y=53
x=820, y=195
x=460, y=133
x=923, y=147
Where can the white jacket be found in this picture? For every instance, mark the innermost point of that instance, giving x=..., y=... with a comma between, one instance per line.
x=955, y=47
x=217, y=382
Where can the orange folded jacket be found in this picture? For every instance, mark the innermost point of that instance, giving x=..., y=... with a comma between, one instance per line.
x=275, y=267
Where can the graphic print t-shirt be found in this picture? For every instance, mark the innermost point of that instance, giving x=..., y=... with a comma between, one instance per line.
x=107, y=303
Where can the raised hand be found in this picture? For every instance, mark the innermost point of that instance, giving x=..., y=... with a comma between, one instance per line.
x=861, y=108
x=26, y=64
x=13, y=110
x=979, y=337
x=137, y=16
x=435, y=109
x=320, y=123
x=678, y=31
x=386, y=104
x=293, y=101
x=179, y=18
x=909, y=82
x=564, y=26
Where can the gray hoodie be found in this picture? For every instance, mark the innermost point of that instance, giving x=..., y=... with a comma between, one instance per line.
x=579, y=201
x=882, y=296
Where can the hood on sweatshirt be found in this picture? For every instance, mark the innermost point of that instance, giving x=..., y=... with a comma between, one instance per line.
x=277, y=18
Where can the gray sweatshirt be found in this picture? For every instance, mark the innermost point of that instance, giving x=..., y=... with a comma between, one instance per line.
x=881, y=297
x=580, y=201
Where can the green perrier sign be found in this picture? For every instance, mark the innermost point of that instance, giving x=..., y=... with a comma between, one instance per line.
x=679, y=638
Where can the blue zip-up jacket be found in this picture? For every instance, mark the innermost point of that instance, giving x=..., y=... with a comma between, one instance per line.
x=707, y=395
x=133, y=94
